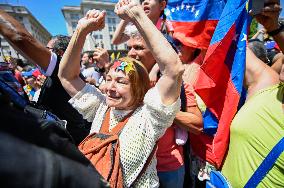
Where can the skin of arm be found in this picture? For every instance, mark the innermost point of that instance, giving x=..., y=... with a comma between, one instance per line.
x=258, y=75
x=261, y=31
x=169, y=63
x=119, y=36
x=191, y=120
x=154, y=74
x=69, y=68
x=23, y=41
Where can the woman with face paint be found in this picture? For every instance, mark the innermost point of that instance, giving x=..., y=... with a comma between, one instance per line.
x=149, y=112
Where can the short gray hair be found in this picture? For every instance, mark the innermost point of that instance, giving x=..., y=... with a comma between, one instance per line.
x=132, y=31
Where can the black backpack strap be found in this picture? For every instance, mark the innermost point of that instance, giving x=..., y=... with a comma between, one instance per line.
x=183, y=98
x=186, y=146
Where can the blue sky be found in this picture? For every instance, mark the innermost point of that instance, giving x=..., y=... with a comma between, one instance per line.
x=48, y=12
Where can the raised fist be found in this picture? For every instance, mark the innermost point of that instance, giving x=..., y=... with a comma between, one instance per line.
x=125, y=9
x=94, y=20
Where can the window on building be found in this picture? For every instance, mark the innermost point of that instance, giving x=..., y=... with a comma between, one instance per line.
x=109, y=28
x=2, y=39
x=74, y=16
x=111, y=47
x=101, y=37
x=111, y=20
x=6, y=50
x=113, y=28
x=115, y=47
x=110, y=36
x=20, y=18
x=110, y=13
x=73, y=25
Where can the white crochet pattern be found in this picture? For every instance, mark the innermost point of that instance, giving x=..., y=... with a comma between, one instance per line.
x=137, y=139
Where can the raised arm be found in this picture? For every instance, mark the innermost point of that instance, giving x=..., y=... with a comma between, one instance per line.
x=22, y=41
x=119, y=36
x=69, y=68
x=191, y=120
x=258, y=75
x=167, y=59
x=259, y=33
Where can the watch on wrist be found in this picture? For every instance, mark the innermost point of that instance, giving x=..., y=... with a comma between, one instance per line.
x=276, y=31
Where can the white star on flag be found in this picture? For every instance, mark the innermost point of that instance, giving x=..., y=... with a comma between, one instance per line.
x=182, y=6
x=177, y=8
x=245, y=37
x=187, y=7
x=173, y=9
x=193, y=9
x=196, y=13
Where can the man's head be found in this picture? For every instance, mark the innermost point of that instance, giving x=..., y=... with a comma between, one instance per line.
x=58, y=44
x=87, y=58
x=138, y=50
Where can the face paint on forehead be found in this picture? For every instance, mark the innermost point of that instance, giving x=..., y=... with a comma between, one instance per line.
x=123, y=66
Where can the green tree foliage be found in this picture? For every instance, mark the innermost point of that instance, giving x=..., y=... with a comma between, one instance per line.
x=253, y=28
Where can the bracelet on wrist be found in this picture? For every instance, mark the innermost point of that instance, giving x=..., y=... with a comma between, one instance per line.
x=276, y=31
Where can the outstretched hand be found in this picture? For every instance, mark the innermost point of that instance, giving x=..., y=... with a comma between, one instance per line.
x=94, y=20
x=125, y=9
x=269, y=15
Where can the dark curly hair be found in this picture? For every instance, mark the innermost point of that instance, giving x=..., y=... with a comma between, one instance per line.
x=60, y=43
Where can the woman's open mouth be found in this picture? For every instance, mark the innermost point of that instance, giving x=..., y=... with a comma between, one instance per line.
x=112, y=97
x=146, y=9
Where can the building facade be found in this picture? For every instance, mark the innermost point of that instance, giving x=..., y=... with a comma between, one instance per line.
x=100, y=38
x=33, y=26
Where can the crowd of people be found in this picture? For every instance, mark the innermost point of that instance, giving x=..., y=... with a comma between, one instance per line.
x=132, y=121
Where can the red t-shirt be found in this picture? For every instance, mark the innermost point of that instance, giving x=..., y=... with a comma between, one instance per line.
x=169, y=154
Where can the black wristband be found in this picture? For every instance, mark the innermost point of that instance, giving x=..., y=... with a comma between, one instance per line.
x=276, y=31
